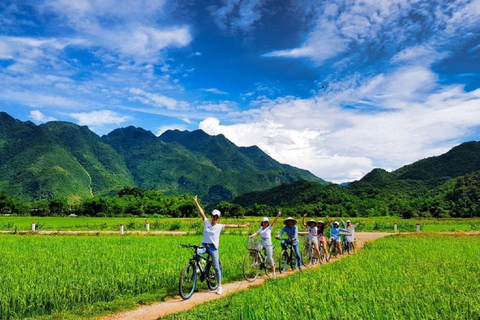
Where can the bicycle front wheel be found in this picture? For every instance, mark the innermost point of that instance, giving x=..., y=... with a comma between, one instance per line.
x=306, y=255
x=251, y=266
x=282, y=265
x=188, y=281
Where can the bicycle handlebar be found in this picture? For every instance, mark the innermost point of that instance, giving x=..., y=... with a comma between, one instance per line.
x=190, y=246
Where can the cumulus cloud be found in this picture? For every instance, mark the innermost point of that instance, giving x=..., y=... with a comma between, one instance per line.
x=99, y=118
x=368, y=28
x=36, y=115
x=128, y=28
x=342, y=143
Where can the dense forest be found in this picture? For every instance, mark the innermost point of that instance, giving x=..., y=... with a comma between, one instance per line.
x=458, y=197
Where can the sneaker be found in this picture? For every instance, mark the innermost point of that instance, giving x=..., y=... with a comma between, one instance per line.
x=328, y=259
x=219, y=290
x=274, y=276
x=300, y=268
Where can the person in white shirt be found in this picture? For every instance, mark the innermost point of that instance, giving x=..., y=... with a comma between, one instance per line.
x=311, y=226
x=211, y=238
x=350, y=233
x=265, y=232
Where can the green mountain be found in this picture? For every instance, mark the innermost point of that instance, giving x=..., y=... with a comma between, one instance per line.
x=443, y=186
x=460, y=160
x=57, y=159
x=64, y=160
x=195, y=162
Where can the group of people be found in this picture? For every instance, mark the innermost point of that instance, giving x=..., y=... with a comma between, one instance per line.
x=315, y=232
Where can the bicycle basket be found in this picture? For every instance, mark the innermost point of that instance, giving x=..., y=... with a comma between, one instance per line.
x=254, y=244
x=201, y=250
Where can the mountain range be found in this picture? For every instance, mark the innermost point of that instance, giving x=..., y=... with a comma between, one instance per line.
x=63, y=160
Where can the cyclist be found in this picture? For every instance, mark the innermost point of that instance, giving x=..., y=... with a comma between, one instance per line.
x=311, y=226
x=335, y=236
x=211, y=238
x=350, y=233
x=321, y=226
x=292, y=232
x=265, y=232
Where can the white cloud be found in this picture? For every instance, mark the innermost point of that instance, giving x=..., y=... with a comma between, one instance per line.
x=238, y=14
x=225, y=106
x=356, y=28
x=36, y=115
x=215, y=91
x=343, y=144
x=129, y=29
x=99, y=118
x=158, y=100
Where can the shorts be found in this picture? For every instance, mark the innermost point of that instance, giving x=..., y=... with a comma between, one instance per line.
x=334, y=240
x=269, y=254
x=313, y=240
x=321, y=238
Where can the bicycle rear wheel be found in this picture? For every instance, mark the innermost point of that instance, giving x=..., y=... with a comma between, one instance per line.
x=293, y=260
x=282, y=265
x=322, y=254
x=251, y=266
x=188, y=281
x=211, y=276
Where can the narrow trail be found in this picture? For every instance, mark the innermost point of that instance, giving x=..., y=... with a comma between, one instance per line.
x=174, y=305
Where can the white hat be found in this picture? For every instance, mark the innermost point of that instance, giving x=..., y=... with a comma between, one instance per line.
x=336, y=222
x=265, y=219
x=348, y=221
x=216, y=213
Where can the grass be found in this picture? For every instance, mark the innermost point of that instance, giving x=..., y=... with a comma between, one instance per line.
x=194, y=225
x=81, y=276
x=397, y=277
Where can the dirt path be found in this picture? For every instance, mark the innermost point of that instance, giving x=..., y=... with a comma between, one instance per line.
x=174, y=305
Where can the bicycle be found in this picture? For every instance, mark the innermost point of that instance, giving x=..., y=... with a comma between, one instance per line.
x=199, y=265
x=309, y=254
x=347, y=246
x=287, y=257
x=333, y=248
x=255, y=261
x=323, y=252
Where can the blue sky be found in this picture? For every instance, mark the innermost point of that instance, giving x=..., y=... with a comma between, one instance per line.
x=336, y=87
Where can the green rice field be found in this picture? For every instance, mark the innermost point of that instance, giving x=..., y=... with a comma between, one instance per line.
x=398, y=277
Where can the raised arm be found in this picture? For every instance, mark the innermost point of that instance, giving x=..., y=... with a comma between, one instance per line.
x=199, y=208
x=275, y=220
x=253, y=235
x=328, y=223
x=303, y=221
x=344, y=223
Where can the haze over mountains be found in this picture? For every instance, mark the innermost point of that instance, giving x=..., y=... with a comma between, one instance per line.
x=61, y=159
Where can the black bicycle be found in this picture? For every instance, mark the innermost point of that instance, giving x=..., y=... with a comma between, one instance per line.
x=200, y=265
x=287, y=257
x=255, y=261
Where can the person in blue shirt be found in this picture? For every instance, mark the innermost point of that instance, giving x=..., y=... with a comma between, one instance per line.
x=335, y=236
x=292, y=232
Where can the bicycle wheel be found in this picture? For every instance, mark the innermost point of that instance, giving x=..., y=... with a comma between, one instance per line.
x=333, y=249
x=307, y=257
x=251, y=266
x=349, y=247
x=282, y=265
x=211, y=276
x=293, y=259
x=188, y=281
x=322, y=253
